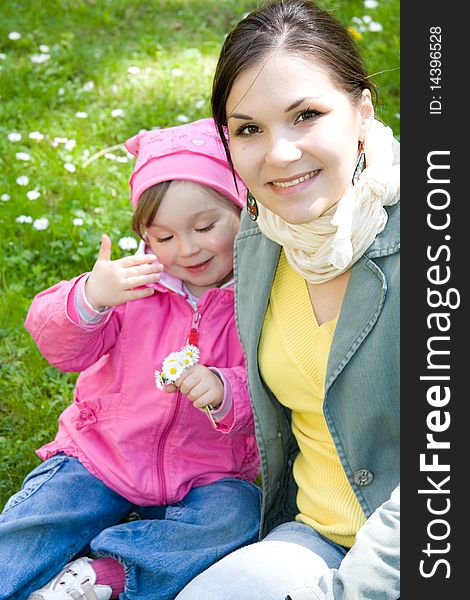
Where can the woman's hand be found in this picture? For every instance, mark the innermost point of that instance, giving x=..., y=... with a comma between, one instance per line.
x=112, y=282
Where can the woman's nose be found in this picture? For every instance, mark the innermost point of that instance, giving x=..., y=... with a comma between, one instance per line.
x=281, y=152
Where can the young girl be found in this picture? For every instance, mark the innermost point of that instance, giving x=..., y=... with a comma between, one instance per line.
x=181, y=456
x=317, y=302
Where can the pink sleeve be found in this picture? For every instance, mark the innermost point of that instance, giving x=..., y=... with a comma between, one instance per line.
x=80, y=310
x=54, y=325
x=235, y=414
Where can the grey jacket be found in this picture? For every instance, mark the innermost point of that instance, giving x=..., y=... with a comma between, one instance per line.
x=361, y=405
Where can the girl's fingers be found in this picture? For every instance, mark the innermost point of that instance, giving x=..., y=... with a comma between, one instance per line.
x=105, y=248
x=138, y=259
x=135, y=282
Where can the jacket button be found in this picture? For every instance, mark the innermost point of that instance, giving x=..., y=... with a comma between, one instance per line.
x=363, y=477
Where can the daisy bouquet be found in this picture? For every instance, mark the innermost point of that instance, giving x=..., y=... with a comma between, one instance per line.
x=174, y=365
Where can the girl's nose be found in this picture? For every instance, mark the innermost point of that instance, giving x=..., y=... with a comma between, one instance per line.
x=281, y=152
x=188, y=246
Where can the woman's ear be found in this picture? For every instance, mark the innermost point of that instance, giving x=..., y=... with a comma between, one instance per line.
x=366, y=112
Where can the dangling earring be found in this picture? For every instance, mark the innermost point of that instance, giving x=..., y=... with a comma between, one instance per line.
x=361, y=163
x=251, y=206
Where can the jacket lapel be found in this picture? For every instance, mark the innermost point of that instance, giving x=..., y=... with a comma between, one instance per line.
x=362, y=305
x=256, y=258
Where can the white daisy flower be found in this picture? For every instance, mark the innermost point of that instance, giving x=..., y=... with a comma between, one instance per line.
x=2, y=55
x=370, y=3
x=14, y=136
x=182, y=118
x=60, y=92
x=70, y=167
x=23, y=156
x=22, y=180
x=24, y=219
x=88, y=86
x=117, y=112
x=122, y=159
x=78, y=221
x=59, y=140
x=200, y=103
x=36, y=135
x=39, y=58
x=127, y=243
x=81, y=114
x=33, y=194
x=41, y=224
x=70, y=144
x=172, y=367
x=14, y=35
x=44, y=48
x=177, y=72
x=373, y=26
x=133, y=70
x=5, y=197
x=159, y=380
x=190, y=353
x=366, y=19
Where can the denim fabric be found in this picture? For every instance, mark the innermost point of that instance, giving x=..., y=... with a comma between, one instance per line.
x=292, y=556
x=62, y=511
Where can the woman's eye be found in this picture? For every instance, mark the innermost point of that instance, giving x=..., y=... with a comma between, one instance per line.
x=207, y=228
x=307, y=114
x=165, y=239
x=247, y=130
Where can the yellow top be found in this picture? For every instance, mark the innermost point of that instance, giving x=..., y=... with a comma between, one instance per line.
x=293, y=356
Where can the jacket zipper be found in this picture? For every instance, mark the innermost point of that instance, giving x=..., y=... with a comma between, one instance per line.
x=193, y=338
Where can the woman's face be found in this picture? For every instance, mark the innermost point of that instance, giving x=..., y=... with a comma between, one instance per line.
x=294, y=136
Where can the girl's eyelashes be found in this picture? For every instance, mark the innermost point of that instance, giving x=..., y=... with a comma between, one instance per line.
x=207, y=228
x=167, y=238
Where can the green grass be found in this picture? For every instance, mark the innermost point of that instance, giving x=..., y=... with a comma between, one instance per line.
x=175, y=46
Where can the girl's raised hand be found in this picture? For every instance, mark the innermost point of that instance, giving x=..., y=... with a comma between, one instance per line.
x=112, y=282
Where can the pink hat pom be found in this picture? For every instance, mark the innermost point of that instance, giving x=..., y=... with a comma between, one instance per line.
x=190, y=152
x=133, y=143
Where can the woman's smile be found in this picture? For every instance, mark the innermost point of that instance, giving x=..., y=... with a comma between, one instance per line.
x=287, y=187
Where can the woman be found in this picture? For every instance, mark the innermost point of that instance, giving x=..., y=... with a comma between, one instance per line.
x=317, y=302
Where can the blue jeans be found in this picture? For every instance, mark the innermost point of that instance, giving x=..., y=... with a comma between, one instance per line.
x=291, y=556
x=62, y=511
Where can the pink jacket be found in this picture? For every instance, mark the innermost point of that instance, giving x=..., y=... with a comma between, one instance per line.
x=149, y=446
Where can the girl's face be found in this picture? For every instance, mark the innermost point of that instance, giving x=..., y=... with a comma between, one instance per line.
x=294, y=136
x=192, y=235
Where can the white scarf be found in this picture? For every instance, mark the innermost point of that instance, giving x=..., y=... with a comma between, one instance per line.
x=328, y=246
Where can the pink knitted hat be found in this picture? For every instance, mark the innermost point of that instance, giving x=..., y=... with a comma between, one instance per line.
x=191, y=152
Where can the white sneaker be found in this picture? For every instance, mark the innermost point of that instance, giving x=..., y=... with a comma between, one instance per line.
x=76, y=581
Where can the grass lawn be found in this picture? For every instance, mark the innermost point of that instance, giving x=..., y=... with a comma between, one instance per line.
x=77, y=78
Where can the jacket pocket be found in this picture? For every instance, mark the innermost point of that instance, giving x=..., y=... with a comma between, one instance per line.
x=35, y=479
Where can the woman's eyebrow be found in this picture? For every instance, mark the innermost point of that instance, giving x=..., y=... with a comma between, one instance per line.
x=295, y=104
x=288, y=109
x=239, y=116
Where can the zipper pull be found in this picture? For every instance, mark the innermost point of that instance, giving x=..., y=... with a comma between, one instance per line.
x=193, y=336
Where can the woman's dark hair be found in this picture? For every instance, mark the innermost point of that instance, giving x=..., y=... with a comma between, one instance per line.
x=300, y=28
